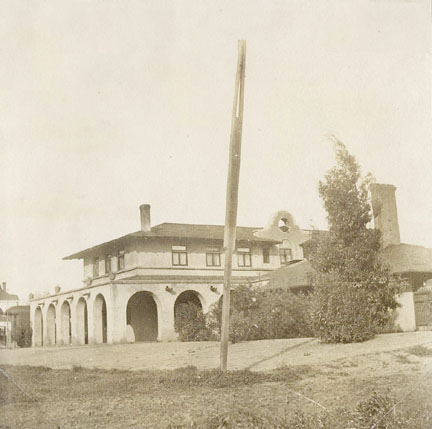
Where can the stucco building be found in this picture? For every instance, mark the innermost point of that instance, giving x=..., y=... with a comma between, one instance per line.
x=132, y=285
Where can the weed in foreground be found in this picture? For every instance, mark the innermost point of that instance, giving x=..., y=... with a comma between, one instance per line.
x=420, y=351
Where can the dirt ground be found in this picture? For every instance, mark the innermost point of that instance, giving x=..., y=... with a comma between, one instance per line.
x=255, y=355
x=335, y=377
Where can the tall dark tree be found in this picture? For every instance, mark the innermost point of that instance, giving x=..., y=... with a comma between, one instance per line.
x=353, y=292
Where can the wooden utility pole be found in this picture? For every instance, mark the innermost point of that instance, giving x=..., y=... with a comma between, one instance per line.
x=232, y=196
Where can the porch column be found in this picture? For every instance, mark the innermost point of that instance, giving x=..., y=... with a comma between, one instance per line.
x=90, y=318
x=166, y=331
x=116, y=314
x=74, y=331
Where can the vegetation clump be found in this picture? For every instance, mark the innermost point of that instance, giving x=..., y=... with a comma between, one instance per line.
x=255, y=314
x=353, y=291
x=190, y=322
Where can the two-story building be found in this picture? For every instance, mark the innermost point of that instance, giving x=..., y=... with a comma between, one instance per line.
x=7, y=299
x=132, y=285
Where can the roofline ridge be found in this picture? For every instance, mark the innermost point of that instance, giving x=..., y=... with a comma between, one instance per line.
x=204, y=224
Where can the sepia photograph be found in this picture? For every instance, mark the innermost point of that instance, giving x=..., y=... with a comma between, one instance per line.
x=216, y=214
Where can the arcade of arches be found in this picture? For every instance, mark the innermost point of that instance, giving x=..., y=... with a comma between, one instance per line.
x=139, y=316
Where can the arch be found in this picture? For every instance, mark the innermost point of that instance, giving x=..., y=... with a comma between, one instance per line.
x=142, y=316
x=183, y=301
x=100, y=319
x=65, y=318
x=186, y=297
x=82, y=321
x=51, y=325
x=38, y=327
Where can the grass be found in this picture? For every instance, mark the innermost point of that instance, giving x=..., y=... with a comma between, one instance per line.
x=290, y=397
x=420, y=351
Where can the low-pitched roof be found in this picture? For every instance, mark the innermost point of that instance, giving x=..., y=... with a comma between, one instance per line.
x=5, y=296
x=298, y=274
x=407, y=258
x=18, y=309
x=176, y=230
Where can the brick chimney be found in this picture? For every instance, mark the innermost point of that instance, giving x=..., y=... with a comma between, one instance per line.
x=385, y=212
x=145, y=217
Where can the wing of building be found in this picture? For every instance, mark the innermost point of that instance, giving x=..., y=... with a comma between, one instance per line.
x=132, y=285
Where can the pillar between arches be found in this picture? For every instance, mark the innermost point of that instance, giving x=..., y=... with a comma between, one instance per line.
x=116, y=314
x=44, y=309
x=73, y=310
x=166, y=331
x=90, y=319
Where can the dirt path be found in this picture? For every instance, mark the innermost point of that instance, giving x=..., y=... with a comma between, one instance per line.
x=256, y=355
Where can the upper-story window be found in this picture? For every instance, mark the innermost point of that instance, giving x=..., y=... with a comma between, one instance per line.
x=244, y=258
x=179, y=255
x=213, y=258
x=285, y=256
x=107, y=264
x=95, y=267
x=266, y=255
x=120, y=260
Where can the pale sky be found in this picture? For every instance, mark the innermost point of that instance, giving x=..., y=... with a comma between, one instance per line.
x=106, y=105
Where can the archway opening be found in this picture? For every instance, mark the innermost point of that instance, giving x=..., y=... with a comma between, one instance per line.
x=100, y=320
x=51, y=325
x=141, y=315
x=188, y=316
x=66, y=331
x=82, y=322
x=38, y=327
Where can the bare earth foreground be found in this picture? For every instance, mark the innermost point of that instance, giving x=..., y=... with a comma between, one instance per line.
x=278, y=383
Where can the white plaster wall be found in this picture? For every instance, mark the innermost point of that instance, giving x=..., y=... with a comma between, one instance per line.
x=152, y=253
x=165, y=301
x=88, y=268
x=405, y=315
x=116, y=297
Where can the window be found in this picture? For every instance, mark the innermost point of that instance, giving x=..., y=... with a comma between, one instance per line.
x=120, y=260
x=179, y=255
x=244, y=257
x=95, y=267
x=213, y=257
x=266, y=255
x=285, y=256
x=107, y=264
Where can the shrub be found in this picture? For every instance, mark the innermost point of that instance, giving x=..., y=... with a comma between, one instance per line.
x=190, y=322
x=341, y=312
x=284, y=315
x=255, y=314
x=258, y=314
